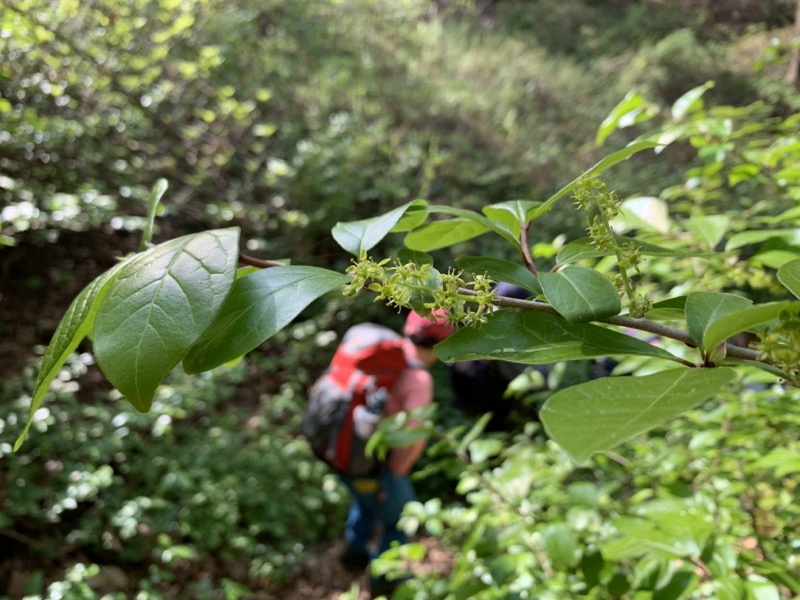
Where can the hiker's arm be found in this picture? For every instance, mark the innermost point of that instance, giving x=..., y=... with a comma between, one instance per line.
x=402, y=460
x=412, y=390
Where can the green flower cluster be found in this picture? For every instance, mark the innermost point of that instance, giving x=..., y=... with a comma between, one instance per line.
x=423, y=288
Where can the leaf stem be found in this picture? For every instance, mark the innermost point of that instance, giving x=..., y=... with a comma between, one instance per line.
x=257, y=262
x=526, y=251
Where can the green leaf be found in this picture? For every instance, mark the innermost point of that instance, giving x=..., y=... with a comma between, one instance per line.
x=783, y=460
x=732, y=323
x=441, y=234
x=482, y=450
x=511, y=215
x=690, y=102
x=158, y=305
x=500, y=269
x=789, y=276
x=581, y=294
x=474, y=433
x=598, y=415
x=152, y=204
x=358, y=237
x=747, y=238
x=75, y=325
x=644, y=213
x=710, y=229
x=632, y=109
x=603, y=165
x=258, y=307
x=703, y=308
x=561, y=545
x=415, y=216
x=463, y=217
x=729, y=588
x=536, y=338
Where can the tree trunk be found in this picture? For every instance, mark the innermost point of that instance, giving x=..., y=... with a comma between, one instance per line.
x=794, y=59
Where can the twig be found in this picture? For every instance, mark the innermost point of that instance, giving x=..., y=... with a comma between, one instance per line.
x=257, y=262
x=639, y=323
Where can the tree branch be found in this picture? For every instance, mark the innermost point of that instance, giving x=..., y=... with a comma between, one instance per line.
x=639, y=323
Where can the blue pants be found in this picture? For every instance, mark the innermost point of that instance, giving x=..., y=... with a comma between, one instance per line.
x=376, y=501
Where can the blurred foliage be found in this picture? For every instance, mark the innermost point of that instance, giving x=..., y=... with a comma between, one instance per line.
x=704, y=509
x=206, y=474
x=284, y=117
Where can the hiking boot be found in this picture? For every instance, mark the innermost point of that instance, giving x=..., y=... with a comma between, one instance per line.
x=354, y=560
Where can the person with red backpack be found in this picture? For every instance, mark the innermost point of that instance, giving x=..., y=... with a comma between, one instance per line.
x=374, y=373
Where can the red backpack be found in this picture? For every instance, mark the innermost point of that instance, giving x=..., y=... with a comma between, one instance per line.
x=365, y=366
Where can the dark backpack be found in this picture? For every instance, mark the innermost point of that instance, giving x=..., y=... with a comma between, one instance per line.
x=365, y=366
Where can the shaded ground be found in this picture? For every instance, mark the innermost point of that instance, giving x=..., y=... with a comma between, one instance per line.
x=37, y=283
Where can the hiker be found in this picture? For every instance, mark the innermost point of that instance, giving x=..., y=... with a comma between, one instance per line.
x=479, y=386
x=374, y=373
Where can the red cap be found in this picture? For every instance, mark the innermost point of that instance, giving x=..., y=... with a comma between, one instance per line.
x=435, y=327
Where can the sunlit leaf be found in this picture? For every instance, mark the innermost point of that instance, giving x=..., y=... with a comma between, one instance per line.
x=158, y=305
x=644, y=213
x=581, y=294
x=358, y=237
x=258, y=307
x=709, y=229
x=532, y=337
x=470, y=215
x=441, y=234
x=600, y=414
x=632, y=109
x=690, y=102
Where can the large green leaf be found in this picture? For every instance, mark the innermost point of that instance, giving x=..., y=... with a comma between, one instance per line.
x=158, y=305
x=603, y=165
x=441, y=234
x=581, y=294
x=703, y=308
x=358, y=237
x=532, y=337
x=500, y=269
x=731, y=323
x=789, y=276
x=258, y=307
x=597, y=415
x=75, y=325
